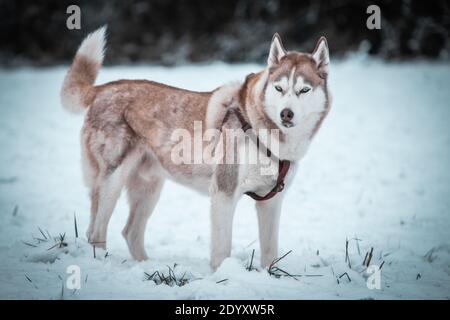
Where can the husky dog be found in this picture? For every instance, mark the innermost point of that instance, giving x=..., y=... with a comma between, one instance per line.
x=126, y=139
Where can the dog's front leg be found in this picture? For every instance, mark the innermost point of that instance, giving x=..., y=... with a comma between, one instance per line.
x=268, y=222
x=223, y=203
x=222, y=212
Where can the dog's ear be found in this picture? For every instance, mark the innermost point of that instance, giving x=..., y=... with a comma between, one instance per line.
x=322, y=57
x=276, y=51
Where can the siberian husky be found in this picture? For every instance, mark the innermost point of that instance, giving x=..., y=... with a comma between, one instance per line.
x=126, y=140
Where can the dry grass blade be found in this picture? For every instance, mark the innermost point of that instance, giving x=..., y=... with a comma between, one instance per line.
x=62, y=291
x=39, y=239
x=171, y=279
x=15, y=211
x=280, y=258
x=182, y=281
x=277, y=272
x=161, y=277
x=346, y=250
x=53, y=246
x=59, y=242
x=345, y=274
x=75, y=223
x=61, y=239
x=370, y=257
x=250, y=244
x=43, y=234
x=29, y=244
x=357, y=245
x=250, y=266
x=347, y=257
x=150, y=276
x=365, y=258
x=30, y=281
x=223, y=280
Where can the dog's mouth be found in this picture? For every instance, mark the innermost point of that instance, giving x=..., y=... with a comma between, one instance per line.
x=287, y=124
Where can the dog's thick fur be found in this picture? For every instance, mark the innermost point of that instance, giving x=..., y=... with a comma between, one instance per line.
x=126, y=139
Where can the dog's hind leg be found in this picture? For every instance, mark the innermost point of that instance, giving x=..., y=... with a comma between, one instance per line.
x=91, y=173
x=94, y=208
x=105, y=194
x=144, y=188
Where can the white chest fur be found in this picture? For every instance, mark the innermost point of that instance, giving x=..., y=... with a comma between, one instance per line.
x=256, y=177
x=298, y=138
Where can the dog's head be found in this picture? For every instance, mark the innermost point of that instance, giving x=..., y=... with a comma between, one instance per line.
x=296, y=84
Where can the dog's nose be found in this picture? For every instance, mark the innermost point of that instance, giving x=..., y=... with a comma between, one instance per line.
x=286, y=115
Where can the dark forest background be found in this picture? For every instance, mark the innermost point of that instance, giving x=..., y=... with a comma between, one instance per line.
x=177, y=31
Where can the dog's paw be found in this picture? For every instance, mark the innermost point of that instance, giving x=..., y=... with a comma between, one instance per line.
x=216, y=262
x=97, y=243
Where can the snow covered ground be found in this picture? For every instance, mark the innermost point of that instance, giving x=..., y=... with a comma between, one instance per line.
x=378, y=171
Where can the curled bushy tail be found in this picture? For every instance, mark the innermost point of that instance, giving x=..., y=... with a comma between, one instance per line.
x=79, y=80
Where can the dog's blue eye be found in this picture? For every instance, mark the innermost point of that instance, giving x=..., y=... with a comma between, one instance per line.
x=305, y=90
x=278, y=88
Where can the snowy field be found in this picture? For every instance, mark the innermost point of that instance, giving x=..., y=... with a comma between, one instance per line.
x=378, y=172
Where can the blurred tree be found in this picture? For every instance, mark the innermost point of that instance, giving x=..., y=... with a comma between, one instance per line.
x=178, y=31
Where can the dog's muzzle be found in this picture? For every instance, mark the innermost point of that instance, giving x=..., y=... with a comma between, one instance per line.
x=286, y=116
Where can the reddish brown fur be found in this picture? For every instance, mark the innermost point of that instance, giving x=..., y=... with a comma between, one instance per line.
x=126, y=142
x=252, y=106
x=305, y=66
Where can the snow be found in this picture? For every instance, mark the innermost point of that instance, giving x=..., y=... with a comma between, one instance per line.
x=377, y=171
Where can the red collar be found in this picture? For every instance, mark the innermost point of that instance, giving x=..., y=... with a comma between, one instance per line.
x=283, y=168
x=283, y=165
